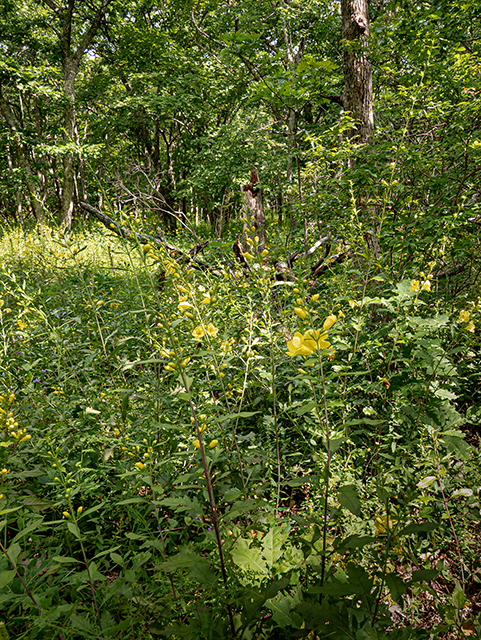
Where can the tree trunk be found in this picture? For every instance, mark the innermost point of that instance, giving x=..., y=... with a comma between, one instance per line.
x=70, y=67
x=70, y=71
x=357, y=98
x=254, y=230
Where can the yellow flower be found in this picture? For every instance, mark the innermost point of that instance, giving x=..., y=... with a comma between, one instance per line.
x=211, y=330
x=183, y=306
x=66, y=514
x=196, y=444
x=302, y=313
x=382, y=524
x=329, y=321
x=315, y=297
x=213, y=444
x=414, y=286
x=470, y=326
x=463, y=316
x=198, y=333
x=79, y=510
x=206, y=300
x=296, y=346
x=264, y=253
x=248, y=255
x=316, y=340
x=426, y=285
x=139, y=465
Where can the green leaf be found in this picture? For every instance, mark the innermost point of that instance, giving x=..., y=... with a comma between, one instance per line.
x=458, y=597
x=306, y=408
x=134, y=536
x=73, y=528
x=417, y=528
x=354, y=542
x=428, y=481
x=424, y=575
x=347, y=496
x=7, y=576
x=246, y=558
x=65, y=559
x=282, y=611
x=396, y=586
x=202, y=572
x=117, y=558
x=185, y=559
x=82, y=622
x=109, y=452
x=272, y=545
x=234, y=416
x=13, y=552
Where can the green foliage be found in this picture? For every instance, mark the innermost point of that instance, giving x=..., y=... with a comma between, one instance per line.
x=339, y=479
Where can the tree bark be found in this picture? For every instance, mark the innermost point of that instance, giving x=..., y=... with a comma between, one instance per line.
x=254, y=230
x=70, y=68
x=357, y=98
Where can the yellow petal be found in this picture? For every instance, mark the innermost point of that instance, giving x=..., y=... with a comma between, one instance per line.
x=211, y=330
x=329, y=321
x=198, y=333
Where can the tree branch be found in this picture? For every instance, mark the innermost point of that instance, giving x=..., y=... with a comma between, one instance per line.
x=123, y=232
x=89, y=36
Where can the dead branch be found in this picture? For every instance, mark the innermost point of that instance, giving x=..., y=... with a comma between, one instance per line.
x=335, y=259
x=123, y=232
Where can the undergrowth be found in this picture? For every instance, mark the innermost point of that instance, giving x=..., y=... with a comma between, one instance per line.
x=201, y=451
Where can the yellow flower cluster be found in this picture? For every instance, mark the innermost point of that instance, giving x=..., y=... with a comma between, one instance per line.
x=212, y=444
x=421, y=285
x=309, y=342
x=464, y=317
x=201, y=331
x=8, y=422
x=416, y=285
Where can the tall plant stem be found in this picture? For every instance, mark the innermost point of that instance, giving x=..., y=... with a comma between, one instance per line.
x=446, y=506
x=213, y=509
x=328, y=474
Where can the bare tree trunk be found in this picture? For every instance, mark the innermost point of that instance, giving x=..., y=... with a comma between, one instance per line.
x=70, y=68
x=68, y=186
x=254, y=230
x=357, y=98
